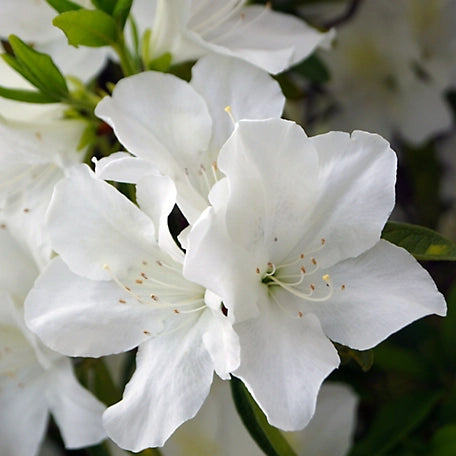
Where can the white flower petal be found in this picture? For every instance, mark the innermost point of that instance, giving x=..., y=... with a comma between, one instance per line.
x=270, y=40
x=216, y=430
x=77, y=413
x=24, y=415
x=172, y=379
x=99, y=227
x=81, y=317
x=37, y=23
x=122, y=167
x=422, y=113
x=34, y=156
x=272, y=168
x=384, y=290
x=284, y=360
x=209, y=248
x=249, y=92
x=161, y=118
x=156, y=196
x=331, y=429
x=23, y=406
x=220, y=339
x=18, y=269
x=356, y=180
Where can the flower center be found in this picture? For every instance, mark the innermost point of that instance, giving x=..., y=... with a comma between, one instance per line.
x=301, y=276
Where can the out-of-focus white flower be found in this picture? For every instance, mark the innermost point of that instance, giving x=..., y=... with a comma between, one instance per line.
x=292, y=246
x=34, y=381
x=34, y=156
x=189, y=29
x=433, y=26
x=179, y=127
x=385, y=74
x=217, y=429
x=118, y=284
x=31, y=20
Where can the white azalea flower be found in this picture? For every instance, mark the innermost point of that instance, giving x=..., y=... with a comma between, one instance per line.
x=31, y=20
x=189, y=29
x=179, y=127
x=117, y=285
x=380, y=80
x=34, y=156
x=34, y=381
x=433, y=27
x=292, y=247
x=217, y=430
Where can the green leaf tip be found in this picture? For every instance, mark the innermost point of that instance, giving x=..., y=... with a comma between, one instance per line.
x=38, y=68
x=423, y=243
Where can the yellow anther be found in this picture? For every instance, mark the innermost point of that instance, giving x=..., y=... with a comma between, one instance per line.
x=230, y=113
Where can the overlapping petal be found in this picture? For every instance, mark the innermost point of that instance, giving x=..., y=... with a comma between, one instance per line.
x=172, y=379
x=90, y=233
x=290, y=356
x=180, y=127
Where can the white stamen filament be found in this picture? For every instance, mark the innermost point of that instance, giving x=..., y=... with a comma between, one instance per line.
x=158, y=296
x=307, y=296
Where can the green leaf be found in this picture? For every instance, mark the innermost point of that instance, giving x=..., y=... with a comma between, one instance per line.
x=28, y=96
x=118, y=9
x=268, y=438
x=394, y=422
x=122, y=10
x=63, y=5
x=93, y=28
x=444, y=441
x=423, y=243
x=37, y=68
x=105, y=5
x=312, y=69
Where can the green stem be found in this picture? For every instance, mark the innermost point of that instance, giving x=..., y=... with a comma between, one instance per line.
x=127, y=63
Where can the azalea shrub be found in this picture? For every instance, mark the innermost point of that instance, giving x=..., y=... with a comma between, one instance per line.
x=227, y=227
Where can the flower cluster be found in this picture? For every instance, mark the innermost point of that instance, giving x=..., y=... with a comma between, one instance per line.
x=177, y=218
